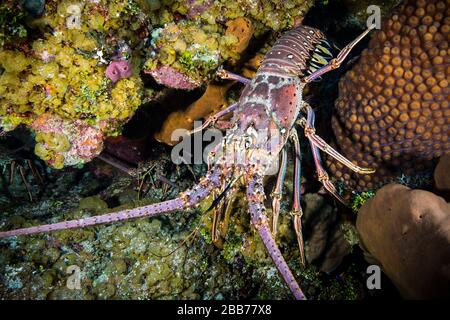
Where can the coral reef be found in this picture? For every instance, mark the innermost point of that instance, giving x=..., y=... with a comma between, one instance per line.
x=185, y=56
x=408, y=232
x=393, y=110
x=134, y=260
x=62, y=75
x=69, y=71
x=79, y=62
x=213, y=32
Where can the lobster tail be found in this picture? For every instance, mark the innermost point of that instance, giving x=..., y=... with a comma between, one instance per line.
x=187, y=199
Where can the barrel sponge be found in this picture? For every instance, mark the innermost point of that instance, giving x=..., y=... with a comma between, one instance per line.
x=393, y=110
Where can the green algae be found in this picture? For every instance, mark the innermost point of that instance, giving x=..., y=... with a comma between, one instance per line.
x=359, y=198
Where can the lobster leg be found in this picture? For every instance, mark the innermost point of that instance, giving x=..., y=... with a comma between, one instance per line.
x=35, y=172
x=310, y=133
x=297, y=211
x=229, y=206
x=24, y=180
x=217, y=214
x=187, y=200
x=221, y=196
x=321, y=173
x=278, y=192
x=226, y=75
x=336, y=62
x=221, y=227
x=255, y=196
x=12, y=167
x=212, y=119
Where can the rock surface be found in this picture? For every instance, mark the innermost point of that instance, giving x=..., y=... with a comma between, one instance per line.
x=326, y=245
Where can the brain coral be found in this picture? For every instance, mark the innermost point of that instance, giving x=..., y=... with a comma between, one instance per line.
x=60, y=72
x=393, y=109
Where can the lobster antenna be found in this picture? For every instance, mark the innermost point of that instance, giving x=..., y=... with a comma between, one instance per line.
x=194, y=232
x=185, y=200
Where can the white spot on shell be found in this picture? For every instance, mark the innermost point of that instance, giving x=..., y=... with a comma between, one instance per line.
x=290, y=56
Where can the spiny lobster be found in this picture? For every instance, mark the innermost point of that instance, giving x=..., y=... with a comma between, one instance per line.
x=270, y=102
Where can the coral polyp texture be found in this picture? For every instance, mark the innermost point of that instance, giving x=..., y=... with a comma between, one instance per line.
x=393, y=109
x=73, y=79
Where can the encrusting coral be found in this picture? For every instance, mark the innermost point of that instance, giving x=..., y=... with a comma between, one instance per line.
x=63, y=143
x=393, y=110
x=78, y=62
x=63, y=75
x=185, y=56
x=185, y=53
